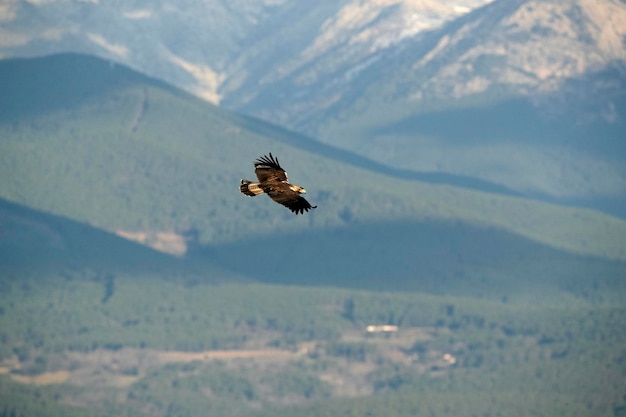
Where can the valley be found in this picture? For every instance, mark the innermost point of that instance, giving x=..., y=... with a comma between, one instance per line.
x=123, y=367
x=294, y=349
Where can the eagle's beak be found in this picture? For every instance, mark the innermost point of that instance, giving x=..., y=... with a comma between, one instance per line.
x=298, y=189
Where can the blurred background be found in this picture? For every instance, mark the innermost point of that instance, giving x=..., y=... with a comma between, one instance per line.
x=467, y=256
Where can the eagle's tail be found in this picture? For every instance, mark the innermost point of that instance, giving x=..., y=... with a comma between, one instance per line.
x=250, y=188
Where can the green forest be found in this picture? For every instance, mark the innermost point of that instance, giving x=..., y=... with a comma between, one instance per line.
x=565, y=358
x=135, y=279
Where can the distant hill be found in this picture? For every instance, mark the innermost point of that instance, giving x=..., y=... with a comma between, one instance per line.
x=37, y=244
x=113, y=149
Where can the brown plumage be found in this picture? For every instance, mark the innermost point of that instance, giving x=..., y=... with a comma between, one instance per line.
x=273, y=182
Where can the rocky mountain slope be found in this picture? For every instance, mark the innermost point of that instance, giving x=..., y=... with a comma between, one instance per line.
x=524, y=47
x=217, y=47
x=274, y=54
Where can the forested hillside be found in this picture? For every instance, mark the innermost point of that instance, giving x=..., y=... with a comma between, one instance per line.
x=148, y=157
x=136, y=280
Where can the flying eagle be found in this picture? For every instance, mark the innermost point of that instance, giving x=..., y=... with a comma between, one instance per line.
x=273, y=182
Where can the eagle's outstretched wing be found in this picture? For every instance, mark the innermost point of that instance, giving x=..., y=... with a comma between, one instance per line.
x=290, y=199
x=267, y=169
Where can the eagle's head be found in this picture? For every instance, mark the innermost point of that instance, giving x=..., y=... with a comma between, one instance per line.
x=297, y=189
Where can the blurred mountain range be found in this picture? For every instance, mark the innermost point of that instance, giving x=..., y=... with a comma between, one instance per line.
x=528, y=94
x=218, y=48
